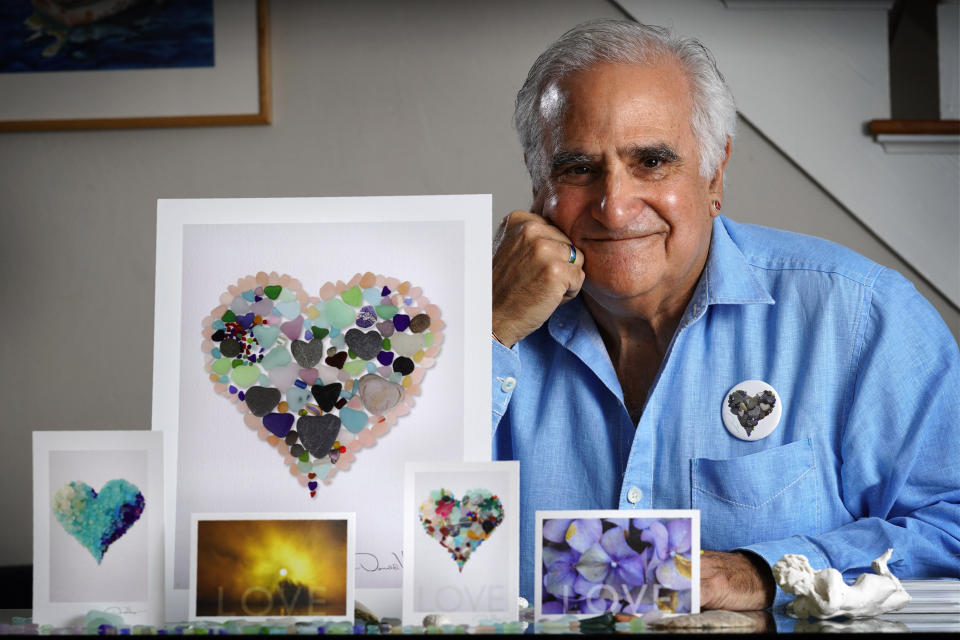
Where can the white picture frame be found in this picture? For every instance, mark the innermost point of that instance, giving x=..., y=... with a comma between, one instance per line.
x=481, y=581
x=641, y=540
x=214, y=462
x=98, y=526
x=318, y=545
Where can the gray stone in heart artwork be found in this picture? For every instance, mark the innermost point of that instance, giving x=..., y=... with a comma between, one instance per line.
x=262, y=400
x=365, y=346
x=307, y=354
x=318, y=433
x=750, y=410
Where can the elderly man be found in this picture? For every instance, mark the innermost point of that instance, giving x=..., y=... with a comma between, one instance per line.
x=651, y=353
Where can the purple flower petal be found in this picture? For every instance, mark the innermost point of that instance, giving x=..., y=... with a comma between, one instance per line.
x=594, y=564
x=583, y=534
x=554, y=607
x=656, y=534
x=559, y=579
x=680, y=535
x=552, y=555
x=555, y=530
x=642, y=523
x=668, y=576
x=586, y=588
x=652, y=561
x=623, y=523
x=614, y=542
x=631, y=570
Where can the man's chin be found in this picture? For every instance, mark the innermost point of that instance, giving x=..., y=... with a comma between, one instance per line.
x=617, y=288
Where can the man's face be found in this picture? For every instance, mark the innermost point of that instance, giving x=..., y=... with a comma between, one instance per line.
x=624, y=183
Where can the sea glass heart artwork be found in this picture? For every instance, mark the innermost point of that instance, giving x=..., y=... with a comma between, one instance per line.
x=97, y=520
x=461, y=526
x=321, y=377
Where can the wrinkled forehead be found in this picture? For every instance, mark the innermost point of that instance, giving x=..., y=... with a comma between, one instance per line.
x=661, y=84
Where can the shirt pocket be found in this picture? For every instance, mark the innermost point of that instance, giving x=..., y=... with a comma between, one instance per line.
x=764, y=496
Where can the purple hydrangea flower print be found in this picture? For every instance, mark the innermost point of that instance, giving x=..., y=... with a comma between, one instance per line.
x=631, y=565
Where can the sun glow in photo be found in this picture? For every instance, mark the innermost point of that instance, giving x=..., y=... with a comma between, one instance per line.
x=271, y=567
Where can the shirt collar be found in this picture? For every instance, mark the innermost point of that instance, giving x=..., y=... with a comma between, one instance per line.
x=572, y=326
x=727, y=277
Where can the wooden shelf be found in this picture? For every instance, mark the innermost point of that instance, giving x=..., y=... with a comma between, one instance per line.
x=915, y=127
x=917, y=136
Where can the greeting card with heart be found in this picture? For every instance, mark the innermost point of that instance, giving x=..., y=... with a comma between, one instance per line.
x=98, y=525
x=321, y=377
x=305, y=349
x=461, y=537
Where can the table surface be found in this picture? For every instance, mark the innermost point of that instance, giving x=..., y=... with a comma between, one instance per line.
x=772, y=621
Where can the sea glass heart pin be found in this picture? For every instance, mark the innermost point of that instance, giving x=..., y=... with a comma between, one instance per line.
x=97, y=520
x=461, y=526
x=751, y=410
x=321, y=377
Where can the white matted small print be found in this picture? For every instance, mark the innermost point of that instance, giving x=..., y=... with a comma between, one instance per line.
x=461, y=537
x=97, y=526
x=630, y=561
x=304, y=349
x=269, y=565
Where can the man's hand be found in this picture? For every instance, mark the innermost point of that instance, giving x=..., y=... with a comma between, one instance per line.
x=532, y=275
x=735, y=582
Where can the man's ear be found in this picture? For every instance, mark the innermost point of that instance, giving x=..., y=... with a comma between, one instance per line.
x=536, y=204
x=716, y=184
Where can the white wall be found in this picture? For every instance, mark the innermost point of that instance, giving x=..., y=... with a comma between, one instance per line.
x=374, y=98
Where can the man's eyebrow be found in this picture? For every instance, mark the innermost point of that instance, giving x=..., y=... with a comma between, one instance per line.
x=564, y=158
x=661, y=151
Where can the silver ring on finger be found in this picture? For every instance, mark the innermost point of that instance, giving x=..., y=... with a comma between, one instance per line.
x=573, y=254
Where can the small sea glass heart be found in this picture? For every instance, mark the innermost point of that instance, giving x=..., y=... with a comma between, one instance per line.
x=97, y=520
x=461, y=526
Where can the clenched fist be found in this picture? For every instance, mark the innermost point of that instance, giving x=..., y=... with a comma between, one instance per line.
x=532, y=275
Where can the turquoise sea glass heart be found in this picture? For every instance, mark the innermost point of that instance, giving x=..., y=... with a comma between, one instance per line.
x=98, y=520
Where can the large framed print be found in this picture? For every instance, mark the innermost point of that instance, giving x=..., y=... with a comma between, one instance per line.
x=632, y=561
x=305, y=349
x=461, y=541
x=261, y=566
x=234, y=90
x=97, y=526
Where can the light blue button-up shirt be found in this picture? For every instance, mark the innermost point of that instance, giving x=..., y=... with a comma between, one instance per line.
x=866, y=455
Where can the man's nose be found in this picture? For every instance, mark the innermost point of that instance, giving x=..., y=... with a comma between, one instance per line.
x=620, y=199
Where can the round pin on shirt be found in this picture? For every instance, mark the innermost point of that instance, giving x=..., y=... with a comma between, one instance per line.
x=751, y=410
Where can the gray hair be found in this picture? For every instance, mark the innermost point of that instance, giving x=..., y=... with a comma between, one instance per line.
x=714, y=117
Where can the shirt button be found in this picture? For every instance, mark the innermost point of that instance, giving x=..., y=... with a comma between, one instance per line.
x=508, y=384
x=634, y=495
